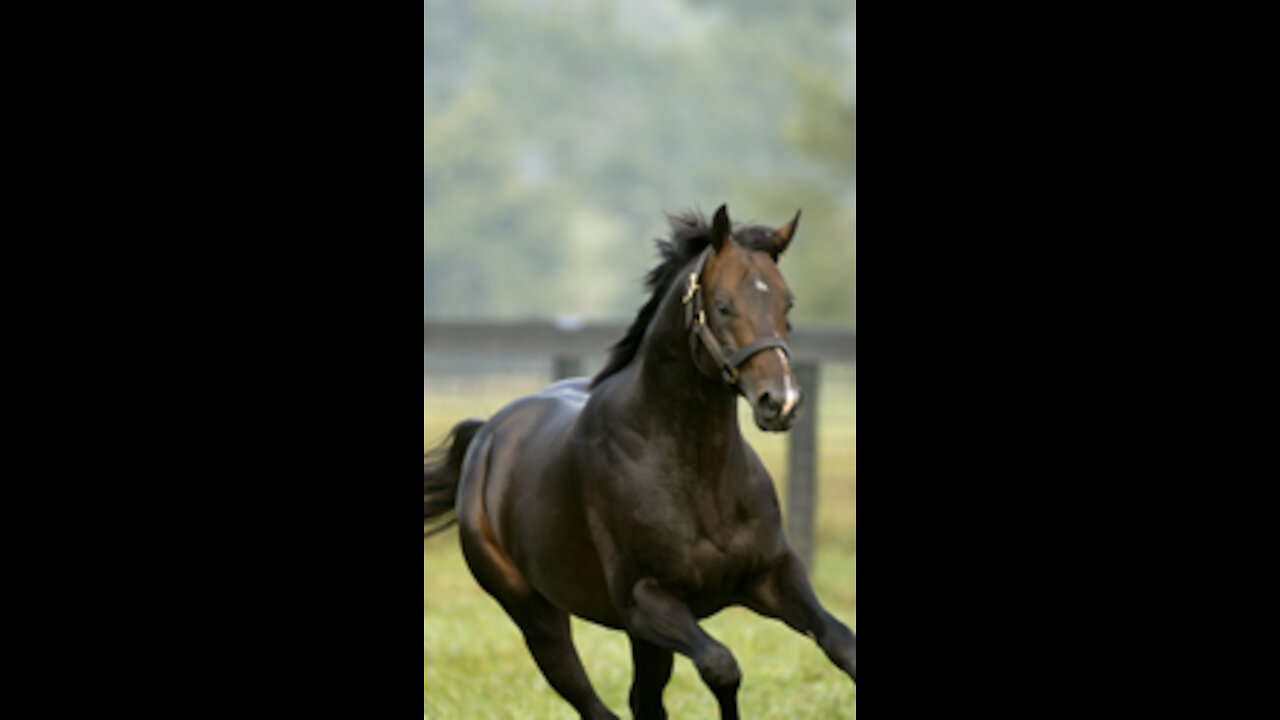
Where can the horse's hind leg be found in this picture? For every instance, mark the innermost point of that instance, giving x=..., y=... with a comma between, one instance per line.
x=545, y=627
x=652, y=672
x=546, y=632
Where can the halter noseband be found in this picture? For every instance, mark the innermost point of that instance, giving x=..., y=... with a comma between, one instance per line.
x=695, y=320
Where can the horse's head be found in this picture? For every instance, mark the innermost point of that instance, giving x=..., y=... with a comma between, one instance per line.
x=736, y=308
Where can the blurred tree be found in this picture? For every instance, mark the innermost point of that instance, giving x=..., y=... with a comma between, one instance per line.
x=556, y=132
x=823, y=128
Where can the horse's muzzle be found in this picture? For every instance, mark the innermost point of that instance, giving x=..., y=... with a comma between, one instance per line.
x=776, y=411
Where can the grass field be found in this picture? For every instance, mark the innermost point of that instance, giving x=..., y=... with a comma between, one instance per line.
x=475, y=664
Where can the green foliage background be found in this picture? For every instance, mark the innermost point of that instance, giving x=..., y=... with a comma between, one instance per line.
x=556, y=133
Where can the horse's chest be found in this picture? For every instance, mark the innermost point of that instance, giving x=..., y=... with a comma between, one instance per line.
x=713, y=568
x=703, y=545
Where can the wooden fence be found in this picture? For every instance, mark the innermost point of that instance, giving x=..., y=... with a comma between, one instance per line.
x=568, y=342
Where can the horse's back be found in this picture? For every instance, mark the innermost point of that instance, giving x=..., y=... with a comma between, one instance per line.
x=543, y=417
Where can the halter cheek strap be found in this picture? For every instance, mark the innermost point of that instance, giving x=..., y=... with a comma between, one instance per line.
x=695, y=320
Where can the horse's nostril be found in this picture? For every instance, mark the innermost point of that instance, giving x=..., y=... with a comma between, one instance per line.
x=769, y=407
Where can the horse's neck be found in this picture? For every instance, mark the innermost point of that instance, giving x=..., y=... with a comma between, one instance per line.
x=694, y=419
x=698, y=412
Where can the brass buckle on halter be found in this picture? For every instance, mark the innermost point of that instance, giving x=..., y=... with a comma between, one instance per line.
x=693, y=288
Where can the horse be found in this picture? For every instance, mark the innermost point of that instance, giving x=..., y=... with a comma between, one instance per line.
x=632, y=500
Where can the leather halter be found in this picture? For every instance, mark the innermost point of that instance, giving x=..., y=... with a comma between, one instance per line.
x=695, y=320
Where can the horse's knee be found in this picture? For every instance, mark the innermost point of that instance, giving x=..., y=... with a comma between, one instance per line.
x=718, y=668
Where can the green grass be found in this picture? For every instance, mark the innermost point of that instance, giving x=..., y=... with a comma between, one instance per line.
x=475, y=664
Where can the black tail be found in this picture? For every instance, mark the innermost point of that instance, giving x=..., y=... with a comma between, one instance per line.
x=441, y=470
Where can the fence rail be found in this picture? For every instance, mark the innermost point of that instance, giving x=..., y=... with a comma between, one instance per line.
x=568, y=341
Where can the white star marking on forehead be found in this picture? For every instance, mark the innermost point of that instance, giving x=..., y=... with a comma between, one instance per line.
x=761, y=286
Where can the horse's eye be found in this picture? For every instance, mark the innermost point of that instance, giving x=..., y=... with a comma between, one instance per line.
x=722, y=307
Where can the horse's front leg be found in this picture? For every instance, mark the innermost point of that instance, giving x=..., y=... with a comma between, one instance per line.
x=785, y=593
x=660, y=618
x=652, y=672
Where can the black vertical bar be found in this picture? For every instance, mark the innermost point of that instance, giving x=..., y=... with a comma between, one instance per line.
x=802, y=485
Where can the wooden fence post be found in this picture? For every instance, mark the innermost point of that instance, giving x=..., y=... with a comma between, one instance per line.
x=566, y=366
x=802, y=481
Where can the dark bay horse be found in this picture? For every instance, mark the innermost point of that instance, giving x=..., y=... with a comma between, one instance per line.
x=634, y=501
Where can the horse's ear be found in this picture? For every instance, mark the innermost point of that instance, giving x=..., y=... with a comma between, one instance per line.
x=720, y=228
x=785, y=234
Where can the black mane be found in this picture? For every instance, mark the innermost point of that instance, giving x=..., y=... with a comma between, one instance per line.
x=690, y=235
